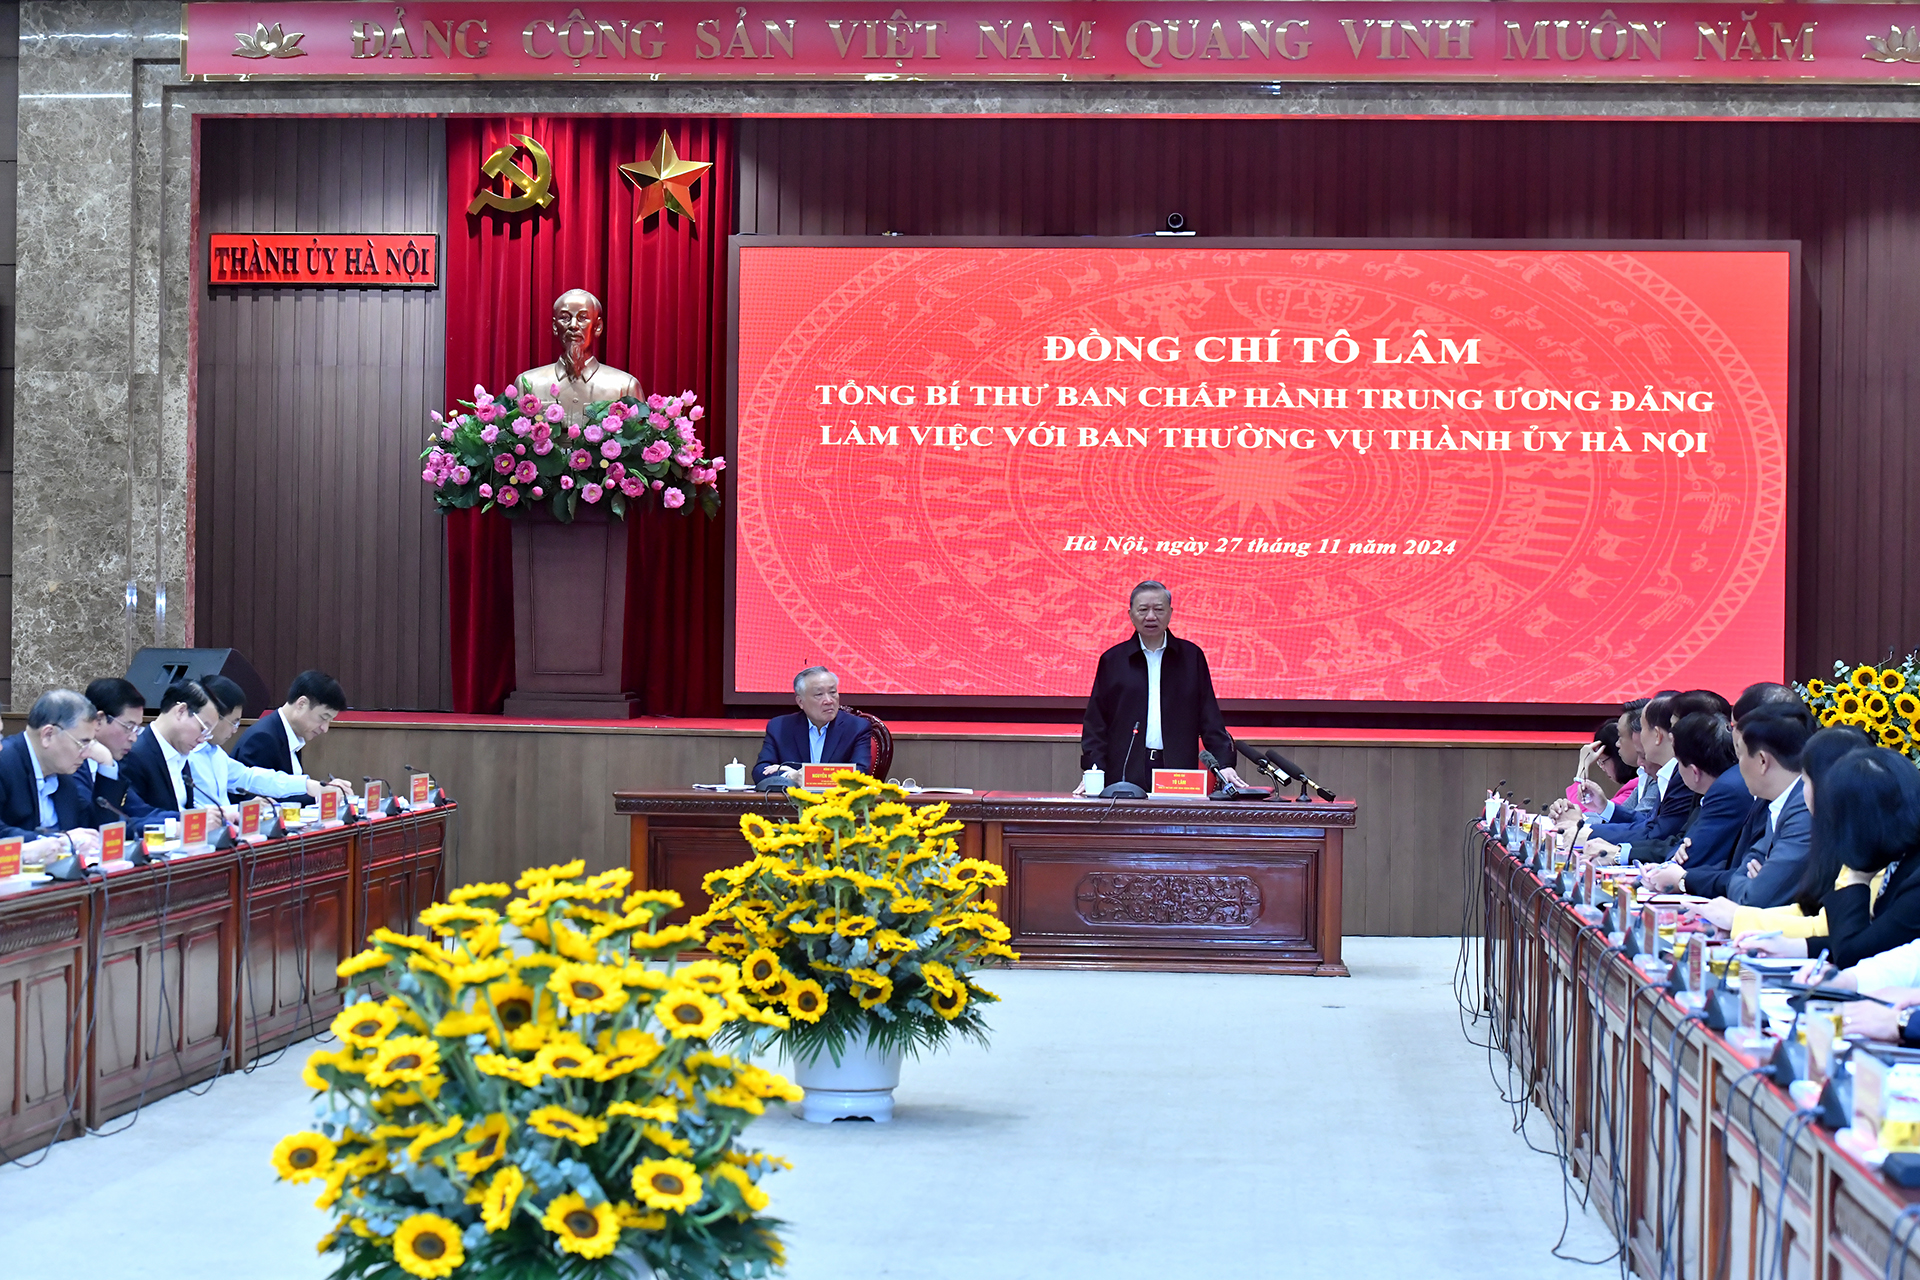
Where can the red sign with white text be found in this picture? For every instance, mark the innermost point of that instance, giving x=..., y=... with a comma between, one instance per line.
x=193, y=827
x=252, y=815
x=113, y=842
x=1190, y=783
x=10, y=855
x=1079, y=40
x=1367, y=471
x=329, y=261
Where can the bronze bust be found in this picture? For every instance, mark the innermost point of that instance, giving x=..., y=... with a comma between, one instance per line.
x=582, y=379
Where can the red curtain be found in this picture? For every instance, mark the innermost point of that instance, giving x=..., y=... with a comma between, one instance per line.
x=663, y=285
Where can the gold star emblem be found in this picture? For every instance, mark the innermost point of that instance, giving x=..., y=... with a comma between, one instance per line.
x=666, y=181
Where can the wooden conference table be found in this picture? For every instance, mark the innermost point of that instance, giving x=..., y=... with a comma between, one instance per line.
x=114, y=994
x=1096, y=884
x=1686, y=1153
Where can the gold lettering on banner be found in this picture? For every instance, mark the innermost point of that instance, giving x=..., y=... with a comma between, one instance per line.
x=534, y=189
x=1746, y=45
x=1801, y=39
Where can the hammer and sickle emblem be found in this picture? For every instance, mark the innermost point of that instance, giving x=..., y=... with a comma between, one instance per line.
x=532, y=189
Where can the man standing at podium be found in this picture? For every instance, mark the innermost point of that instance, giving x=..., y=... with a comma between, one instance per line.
x=1152, y=705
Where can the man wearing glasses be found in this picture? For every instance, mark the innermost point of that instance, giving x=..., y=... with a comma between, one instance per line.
x=216, y=773
x=39, y=800
x=157, y=766
x=121, y=708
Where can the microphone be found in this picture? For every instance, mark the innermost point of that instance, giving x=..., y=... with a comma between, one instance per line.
x=1230, y=790
x=1264, y=764
x=1123, y=788
x=1306, y=783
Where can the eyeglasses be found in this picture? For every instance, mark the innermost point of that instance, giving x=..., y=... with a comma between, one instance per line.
x=206, y=730
x=126, y=726
x=85, y=744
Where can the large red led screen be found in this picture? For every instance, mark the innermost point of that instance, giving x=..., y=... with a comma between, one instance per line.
x=1368, y=472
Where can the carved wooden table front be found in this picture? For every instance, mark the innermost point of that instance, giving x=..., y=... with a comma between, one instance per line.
x=1130, y=884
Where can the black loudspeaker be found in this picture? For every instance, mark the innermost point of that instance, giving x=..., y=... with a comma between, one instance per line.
x=154, y=669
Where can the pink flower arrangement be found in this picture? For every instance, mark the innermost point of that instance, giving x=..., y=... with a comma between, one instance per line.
x=614, y=454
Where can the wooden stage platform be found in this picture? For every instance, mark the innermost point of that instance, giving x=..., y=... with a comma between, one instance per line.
x=543, y=790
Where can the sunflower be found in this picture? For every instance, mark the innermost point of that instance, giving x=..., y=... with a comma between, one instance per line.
x=751, y=1196
x=634, y=1220
x=567, y=1058
x=756, y=829
x=689, y=1013
x=498, y=1064
x=669, y=1183
x=365, y=1024
x=665, y=1110
x=513, y=1003
x=1848, y=703
x=855, y=926
x=737, y=1098
x=1829, y=717
x=760, y=969
x=625, y=1051
x=1892, y=735
x=363, y=962
x=667, y=1141
x=1865, y=677
x=299, y=1157
x=909, y=904
x=533, y=876
x=1877, y=705
x=976, y=871
x=459, y=1024
x=1891, y=681
x=588, y=988
x=482, y=894
x=488, y=1142
x=496, y=1206
x=938, y=977
x=588, y=1230
x=711, y=976
x=950, y=1002
x=558, y=1122
x=433, y=1135
x=807, y=1001
x=404, y=1058
x=1908, y=706
x=869, y=987
x=1817, y=688
x=666, y=898
x=447, y=918
x=778, y=989
x=428, y=1245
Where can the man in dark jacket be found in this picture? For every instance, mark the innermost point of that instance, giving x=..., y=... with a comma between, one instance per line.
x=278, y=737
x=820, y=732
x=39, y=800
x=1152, y=705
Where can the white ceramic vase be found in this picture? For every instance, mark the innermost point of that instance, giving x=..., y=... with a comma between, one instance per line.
x=859, y=1087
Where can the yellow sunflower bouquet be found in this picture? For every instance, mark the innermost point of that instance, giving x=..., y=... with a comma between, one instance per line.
x=536, y=1096
x=1882, y=701
x=858, y=918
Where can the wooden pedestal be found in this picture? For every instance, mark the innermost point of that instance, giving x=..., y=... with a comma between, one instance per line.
x=569, y=616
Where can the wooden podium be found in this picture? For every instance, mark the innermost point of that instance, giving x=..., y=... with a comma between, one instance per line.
x=1091, y=884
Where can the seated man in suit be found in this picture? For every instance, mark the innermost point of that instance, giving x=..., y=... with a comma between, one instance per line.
x=216, y=773
x=278, y=737
x=1703, y=744
x=39, y=800
x=1768, y=742
x=818, y=733
x=1612, y=840
x=157, y=766
x=121, y=708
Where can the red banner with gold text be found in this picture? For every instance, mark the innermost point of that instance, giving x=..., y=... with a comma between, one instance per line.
x=1464, y=473
x=1033, y=40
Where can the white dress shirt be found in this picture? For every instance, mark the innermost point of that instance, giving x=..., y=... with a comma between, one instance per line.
x=816, y=741
x=1897, y=967
x=217, y=775
x=175, y=763
x=1155, y=740
x=294, y=744
x=1778, y=803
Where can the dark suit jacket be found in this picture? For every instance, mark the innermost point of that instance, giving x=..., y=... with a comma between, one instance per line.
x=20, y=799
x=145, y=771
x=1189, y=713
x=116, y=791
x=1663, y=823
x=1711, y=879
x=849, y=741
x=265, y=745
x=1857, y=928
x=1714, y=828
x=1782, y=854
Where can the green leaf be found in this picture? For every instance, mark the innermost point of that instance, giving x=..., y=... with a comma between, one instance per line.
x=618, y=503
x=561, y=511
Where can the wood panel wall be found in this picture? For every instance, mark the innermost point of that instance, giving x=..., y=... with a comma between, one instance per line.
x=316, y=544
x=531, y=796
x=1837, y=188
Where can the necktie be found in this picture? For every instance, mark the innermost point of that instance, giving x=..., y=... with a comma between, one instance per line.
x=186, y=778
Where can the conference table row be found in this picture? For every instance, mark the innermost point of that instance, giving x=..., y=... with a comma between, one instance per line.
x=1701, y=1165
x=119, y=990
